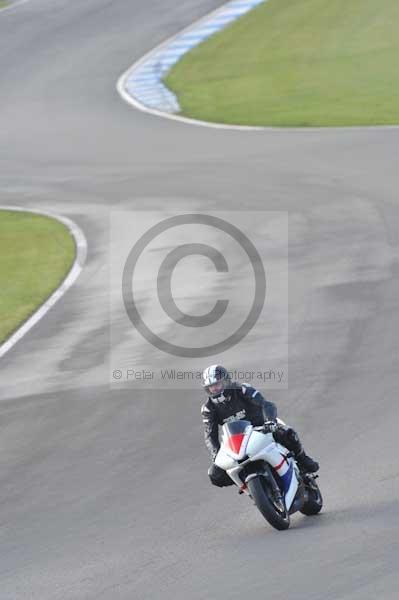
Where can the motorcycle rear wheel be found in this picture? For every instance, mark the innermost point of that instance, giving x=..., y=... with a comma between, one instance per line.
x=314, y=503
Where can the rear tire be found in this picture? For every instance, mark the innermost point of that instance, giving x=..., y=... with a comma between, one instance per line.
x=261, y=493
x=314, y=504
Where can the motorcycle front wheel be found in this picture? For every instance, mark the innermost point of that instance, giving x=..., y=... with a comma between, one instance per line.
x=262, y=495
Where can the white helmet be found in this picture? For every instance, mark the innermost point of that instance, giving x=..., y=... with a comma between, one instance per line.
x=215, y=380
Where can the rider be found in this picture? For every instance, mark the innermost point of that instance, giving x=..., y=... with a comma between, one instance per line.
x=229, y=401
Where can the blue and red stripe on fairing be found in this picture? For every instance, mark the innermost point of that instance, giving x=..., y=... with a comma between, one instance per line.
x=287, y=477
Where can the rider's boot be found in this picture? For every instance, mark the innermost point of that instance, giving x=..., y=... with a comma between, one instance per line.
x=306, y=463
x=290, y=439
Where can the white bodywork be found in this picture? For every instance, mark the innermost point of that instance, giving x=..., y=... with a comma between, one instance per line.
x=259, y=446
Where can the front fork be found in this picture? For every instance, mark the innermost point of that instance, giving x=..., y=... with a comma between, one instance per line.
x=278, y=495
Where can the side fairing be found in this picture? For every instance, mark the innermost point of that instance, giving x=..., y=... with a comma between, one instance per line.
x=289, y=482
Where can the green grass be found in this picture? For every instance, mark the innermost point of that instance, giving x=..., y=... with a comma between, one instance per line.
x=36, y=253
x=297, y=63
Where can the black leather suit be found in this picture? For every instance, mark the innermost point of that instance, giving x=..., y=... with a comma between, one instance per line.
x=242, y=401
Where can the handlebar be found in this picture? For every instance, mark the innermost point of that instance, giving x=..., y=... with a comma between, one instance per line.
x=270, y=427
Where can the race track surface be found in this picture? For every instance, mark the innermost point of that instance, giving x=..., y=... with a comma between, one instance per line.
x=105, y=495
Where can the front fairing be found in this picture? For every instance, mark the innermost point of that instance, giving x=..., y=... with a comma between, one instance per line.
x=252, y=443
x=235, y=437
x=258, y=443
x=224, y=460
x=258, y=446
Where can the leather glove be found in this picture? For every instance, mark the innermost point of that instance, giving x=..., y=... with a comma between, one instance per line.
x=270, y=426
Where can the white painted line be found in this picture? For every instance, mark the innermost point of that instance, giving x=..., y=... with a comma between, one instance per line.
x=71, y=277
x=188, y=38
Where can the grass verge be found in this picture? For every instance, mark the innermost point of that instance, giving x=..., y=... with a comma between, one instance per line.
x=36, y=253
x=297, y=63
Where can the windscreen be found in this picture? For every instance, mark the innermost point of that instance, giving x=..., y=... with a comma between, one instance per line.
x=236, y=427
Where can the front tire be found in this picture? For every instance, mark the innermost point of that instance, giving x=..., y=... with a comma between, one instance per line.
x=262, y=496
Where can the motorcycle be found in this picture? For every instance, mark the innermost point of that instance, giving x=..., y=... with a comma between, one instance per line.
x=267, y=472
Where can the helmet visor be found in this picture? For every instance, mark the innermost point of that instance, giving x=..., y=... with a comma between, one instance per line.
x=215, y=388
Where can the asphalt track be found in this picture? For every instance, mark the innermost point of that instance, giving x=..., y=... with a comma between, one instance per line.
x=105, y=495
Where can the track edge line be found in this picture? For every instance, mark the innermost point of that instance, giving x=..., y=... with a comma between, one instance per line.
x=65, y=285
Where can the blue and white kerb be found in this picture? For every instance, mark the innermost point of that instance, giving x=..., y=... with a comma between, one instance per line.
x=144, y=83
